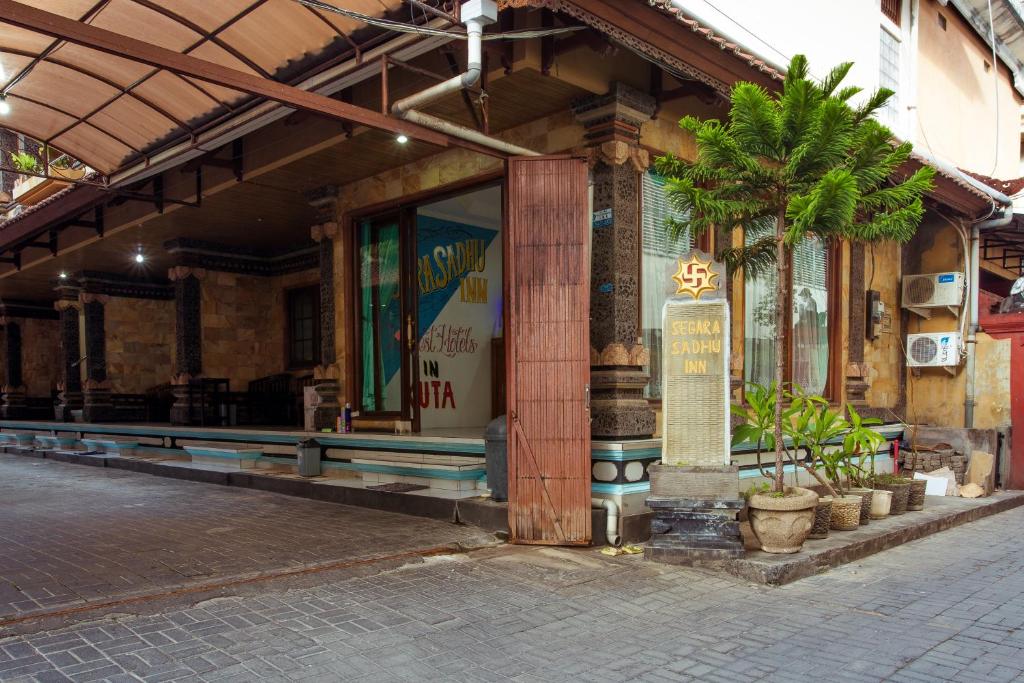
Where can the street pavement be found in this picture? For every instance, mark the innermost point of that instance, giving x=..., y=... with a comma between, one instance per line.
x=947, y=607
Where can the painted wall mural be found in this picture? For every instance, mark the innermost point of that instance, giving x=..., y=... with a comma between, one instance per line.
x=459, y=310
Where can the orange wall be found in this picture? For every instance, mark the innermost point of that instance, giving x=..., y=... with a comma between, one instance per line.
x=956, y=97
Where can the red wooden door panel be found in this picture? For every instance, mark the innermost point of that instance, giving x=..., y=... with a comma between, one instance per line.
x=548, y=350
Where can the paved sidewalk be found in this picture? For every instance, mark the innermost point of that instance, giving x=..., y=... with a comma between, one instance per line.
x=947, y=607
x=71, y=534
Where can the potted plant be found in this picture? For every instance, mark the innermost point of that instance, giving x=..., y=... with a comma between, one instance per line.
x=809, y=165
x=915, y=497
x=900, y=488
x=781, y=520
x=25, y=162
x=61, y=165
x=861, y=443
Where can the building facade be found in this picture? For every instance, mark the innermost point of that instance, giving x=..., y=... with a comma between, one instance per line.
x=248, y=271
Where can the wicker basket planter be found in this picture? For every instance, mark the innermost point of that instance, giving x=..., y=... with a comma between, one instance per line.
x=845, y=513
x=880, y=504
x=900, y=492
x=915, y=499
x=822, y=518
x=865, y=505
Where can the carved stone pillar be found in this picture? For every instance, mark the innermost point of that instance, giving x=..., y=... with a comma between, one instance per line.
x=69, y=396
x=13, y=405
x=96, y=402
x=188, y=339
x=326, y=376
x=618, y=379
x=856, y=367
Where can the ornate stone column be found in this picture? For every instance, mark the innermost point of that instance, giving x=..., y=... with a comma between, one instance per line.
x=856, y=367
x=618, y=379
x=96, y=403
x=69, y=388
x=13, y=404
x=326, y=376
x=188, y=338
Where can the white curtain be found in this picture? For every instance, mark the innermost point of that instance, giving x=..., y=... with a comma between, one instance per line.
x=809, y=366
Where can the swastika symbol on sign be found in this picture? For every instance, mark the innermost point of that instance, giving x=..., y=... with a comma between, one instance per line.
x=695, y=277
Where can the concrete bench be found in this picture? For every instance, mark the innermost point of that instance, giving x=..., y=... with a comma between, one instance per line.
x=111, y=446
x=242, y=457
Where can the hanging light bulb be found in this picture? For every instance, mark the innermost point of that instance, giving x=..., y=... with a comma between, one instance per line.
x=402, y=139
x=139, y=258
x=63, y=275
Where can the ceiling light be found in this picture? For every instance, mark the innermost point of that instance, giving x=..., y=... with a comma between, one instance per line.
x=63, y=275
x=402, y=139
x=139, y=258
x=5, y=107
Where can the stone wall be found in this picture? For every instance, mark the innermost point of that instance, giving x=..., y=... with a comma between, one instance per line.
x=139, y=343
x=244, y=319
x=884, y=355
x=39, y=368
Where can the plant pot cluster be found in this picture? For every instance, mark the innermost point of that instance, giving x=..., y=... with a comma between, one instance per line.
x=839, y=454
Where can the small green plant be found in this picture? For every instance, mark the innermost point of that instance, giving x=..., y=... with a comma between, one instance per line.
x=833, y=446
x=25, y=162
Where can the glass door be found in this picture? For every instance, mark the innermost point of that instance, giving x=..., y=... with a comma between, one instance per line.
x=385, y=323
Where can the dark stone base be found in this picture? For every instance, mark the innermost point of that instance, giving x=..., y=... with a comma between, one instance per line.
x=326, y=417
x=685, y=530
x=14, y=412
x=66, y=403
x=181, y=409
x=97, y=406
x=618, y=409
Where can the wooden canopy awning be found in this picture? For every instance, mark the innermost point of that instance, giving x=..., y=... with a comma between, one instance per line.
x=110, y=111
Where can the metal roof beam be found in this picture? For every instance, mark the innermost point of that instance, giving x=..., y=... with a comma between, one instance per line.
x=47, y=23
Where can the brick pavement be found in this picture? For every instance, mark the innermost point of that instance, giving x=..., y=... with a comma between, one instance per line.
x=70, y=535
x=947, y=607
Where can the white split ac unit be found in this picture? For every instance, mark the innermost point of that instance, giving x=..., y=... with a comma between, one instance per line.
x=927, y=291
x=934, y=350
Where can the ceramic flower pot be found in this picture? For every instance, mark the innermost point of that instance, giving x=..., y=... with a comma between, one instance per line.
x=865, y=502
x=783, y=523
x=880, y=503
x=822, y=518
x=846, y=512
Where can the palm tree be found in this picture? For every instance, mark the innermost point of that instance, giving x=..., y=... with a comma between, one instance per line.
x=805, y=162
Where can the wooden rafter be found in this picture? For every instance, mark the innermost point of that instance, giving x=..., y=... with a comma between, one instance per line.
x=47, y=23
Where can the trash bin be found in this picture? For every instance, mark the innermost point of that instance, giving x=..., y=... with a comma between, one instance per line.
x=308, y=453
x=496, y=454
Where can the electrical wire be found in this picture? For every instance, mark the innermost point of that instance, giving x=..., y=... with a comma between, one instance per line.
x=403, y=27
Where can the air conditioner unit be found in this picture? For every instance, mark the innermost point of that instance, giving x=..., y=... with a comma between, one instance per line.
x=934, y=350
x=921, y=293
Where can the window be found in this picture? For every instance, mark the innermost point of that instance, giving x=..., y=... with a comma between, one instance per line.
x=892, y=9
x=808, y=363
x=304, y=327
x=659, y=254
x=889, y=73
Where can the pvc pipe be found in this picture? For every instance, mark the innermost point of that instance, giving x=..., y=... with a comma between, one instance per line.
x=612, y=516
x=408, y=108
x=468, y=134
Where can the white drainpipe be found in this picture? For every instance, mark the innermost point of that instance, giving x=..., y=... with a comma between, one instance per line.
x=973, y=317
x=612, y=515
x=476, y=14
